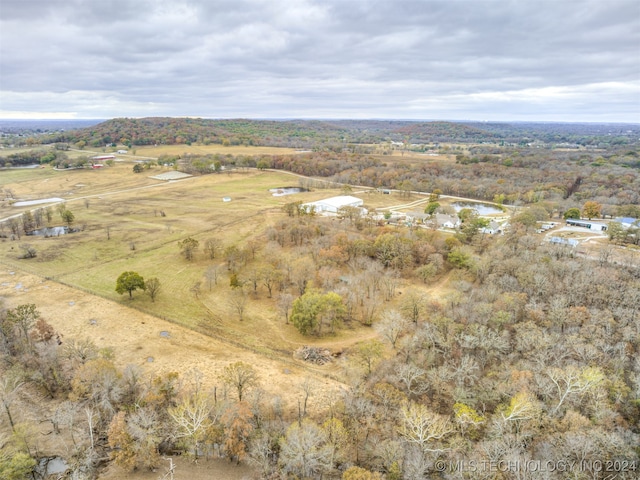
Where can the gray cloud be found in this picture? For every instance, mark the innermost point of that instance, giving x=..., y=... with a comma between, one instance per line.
x=574, y=60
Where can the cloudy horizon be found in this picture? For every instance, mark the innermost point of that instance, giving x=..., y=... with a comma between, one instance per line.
x=475, y=60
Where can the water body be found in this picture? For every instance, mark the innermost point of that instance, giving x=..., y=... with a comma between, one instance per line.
x=281, y=191
x=51, y=231
x=51, y=466
x=26, y=203
x=17, y=167
x=481, y=208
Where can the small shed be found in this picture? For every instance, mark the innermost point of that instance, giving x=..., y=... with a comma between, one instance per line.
x=569, y=242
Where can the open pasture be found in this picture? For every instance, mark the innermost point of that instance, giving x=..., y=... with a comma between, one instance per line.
x=399, y=155
x=69, y=184
x=197, y=149
x=130, y=222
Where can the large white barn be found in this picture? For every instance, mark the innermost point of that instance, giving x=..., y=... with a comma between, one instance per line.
x=600, y=227
x=333, y=204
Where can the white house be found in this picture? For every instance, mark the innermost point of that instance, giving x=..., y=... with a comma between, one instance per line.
x=417, y=217
x=447, y=221
x=492, y=229
x=331, y=205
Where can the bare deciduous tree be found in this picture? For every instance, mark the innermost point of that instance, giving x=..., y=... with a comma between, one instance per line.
x=392, y=325
x=10, y=385
x=192, y=419
x=304, y=451
x=212, y=247
x=424, y=428
x=211, y=274
x=238, y=302
x=240, y=376
x=285, y=302
x=153, y=288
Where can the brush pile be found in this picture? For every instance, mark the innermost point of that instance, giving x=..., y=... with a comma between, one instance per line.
x=317, y=355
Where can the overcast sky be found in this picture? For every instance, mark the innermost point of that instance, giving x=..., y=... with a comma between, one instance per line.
x=542, y=60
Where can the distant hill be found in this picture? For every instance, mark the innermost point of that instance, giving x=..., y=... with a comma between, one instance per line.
x=30, y=127
x=447, y=132
x=169, y=131
x=336, y=133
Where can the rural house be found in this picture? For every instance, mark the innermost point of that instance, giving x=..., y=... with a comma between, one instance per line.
x=492, y=228
x=446, y=221
x=417, y=217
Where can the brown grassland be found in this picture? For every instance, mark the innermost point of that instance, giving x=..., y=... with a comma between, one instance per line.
x=123, y=229
x=198, y=149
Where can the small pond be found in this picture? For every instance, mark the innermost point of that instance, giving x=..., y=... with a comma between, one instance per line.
x=51, y=466
x=51, y=231
x=481, y=208
x=16, y=167
x=281, y=191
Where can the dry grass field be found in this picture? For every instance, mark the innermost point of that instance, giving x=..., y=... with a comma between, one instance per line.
x=123, y=228
x=120, y=215
x=419, y=156
x=156, y=151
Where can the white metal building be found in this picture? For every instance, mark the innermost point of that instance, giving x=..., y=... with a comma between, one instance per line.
x=333, y=204
x=599, y=227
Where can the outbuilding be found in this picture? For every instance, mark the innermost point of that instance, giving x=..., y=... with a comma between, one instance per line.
x=627, y=222
x=598, y=227
x=103, y=158
x=569, y=242
x=333, y=204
